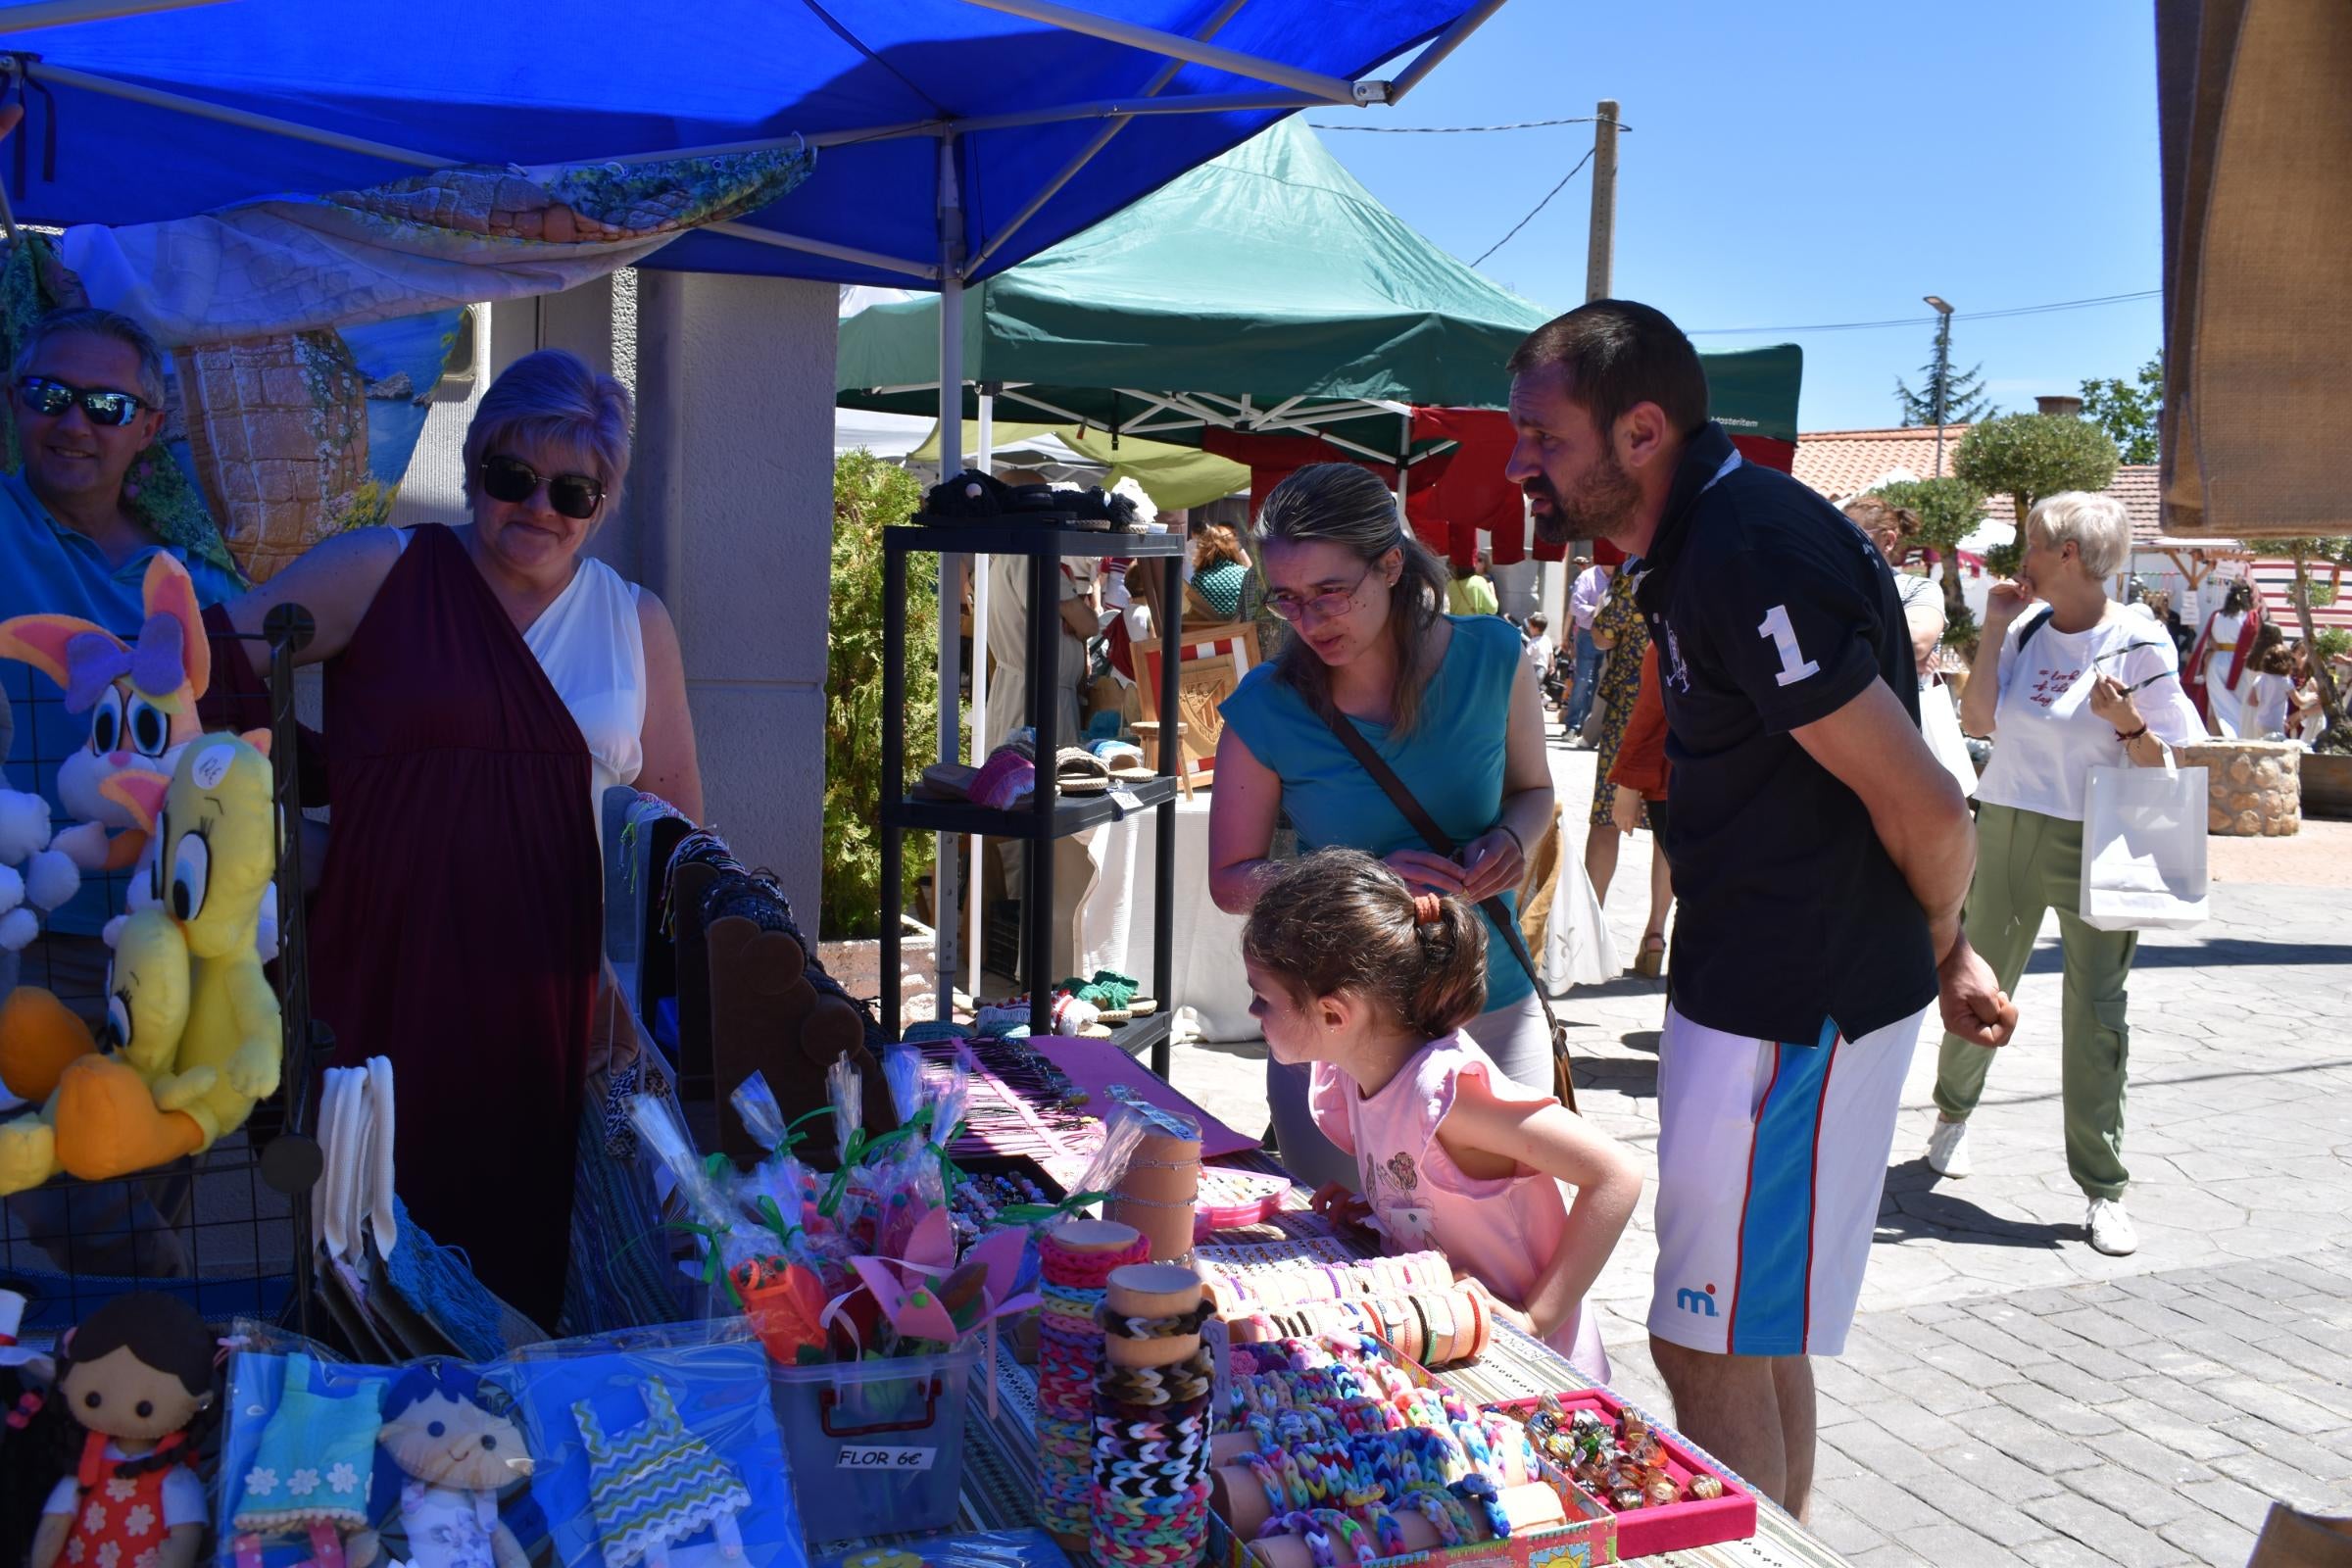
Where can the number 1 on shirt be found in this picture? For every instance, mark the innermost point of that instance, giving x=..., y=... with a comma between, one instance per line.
x=1794, y=665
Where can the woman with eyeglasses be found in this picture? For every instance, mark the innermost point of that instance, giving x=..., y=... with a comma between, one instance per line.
x=1449, y=703
x=484, y=685
x=2067, y=680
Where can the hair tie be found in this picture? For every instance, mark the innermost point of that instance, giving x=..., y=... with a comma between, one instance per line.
x=1428, y=908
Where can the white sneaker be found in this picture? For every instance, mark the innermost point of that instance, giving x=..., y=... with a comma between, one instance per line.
x=2111, y=1229
x=1947, y=1149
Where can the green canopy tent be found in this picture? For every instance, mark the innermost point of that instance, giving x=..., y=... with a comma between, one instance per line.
x=1265, y=291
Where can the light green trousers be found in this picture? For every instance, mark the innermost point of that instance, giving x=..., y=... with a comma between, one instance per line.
x=2028, y=864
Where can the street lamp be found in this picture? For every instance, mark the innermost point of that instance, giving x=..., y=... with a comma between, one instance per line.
x=1944, y=368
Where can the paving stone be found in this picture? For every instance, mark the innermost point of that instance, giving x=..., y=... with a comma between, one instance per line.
x=2135, y=1497
x=2208, y=1537
x=1889, y=1556
x=2001, y=1475
x=2012, y=1432
x=2183, y=1400
x=1913, y=1424
x=2104, y=1530
x=2160, y=1444
x=2233, y=1501
x=1845, y=1532
x=1956, y=1544
x=2276, y=1405
x=1971, y=1506
x=2277, y=1479
x=2054, y=1409
x=2095, y=1326
x=2077, y=1384
x=1887, y=1506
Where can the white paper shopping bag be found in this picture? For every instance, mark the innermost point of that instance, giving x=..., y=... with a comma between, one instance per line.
x=2143, y=848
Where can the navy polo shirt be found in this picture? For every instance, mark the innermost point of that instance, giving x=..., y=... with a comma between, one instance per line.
x=1770, y=611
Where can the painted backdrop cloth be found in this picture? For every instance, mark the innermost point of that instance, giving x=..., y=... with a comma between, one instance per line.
x=458, y=927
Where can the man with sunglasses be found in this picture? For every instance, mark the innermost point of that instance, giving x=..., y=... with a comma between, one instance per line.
x=87, y=396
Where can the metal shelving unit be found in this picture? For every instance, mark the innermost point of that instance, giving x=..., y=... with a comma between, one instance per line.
x=1046, y=542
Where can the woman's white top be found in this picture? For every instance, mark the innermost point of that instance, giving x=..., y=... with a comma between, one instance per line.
x=2045, y=738
x=592, y=647
x=1914, y=590
x=2256, y=710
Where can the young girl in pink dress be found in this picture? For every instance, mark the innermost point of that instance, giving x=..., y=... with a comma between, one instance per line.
x=1371, y=985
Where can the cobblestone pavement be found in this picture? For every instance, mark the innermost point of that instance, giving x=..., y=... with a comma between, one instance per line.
x=2008, y=1395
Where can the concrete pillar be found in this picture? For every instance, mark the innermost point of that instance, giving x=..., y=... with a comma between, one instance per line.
x=733, y=506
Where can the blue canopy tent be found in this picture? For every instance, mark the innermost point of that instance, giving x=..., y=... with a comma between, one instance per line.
x=956, y=138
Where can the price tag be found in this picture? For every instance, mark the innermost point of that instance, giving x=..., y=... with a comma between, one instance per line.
x=857, y=1456
x=1125, y=801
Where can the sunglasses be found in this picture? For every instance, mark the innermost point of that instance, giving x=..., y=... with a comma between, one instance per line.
x=104, y=405
x=1327, y=606
x=511, y=479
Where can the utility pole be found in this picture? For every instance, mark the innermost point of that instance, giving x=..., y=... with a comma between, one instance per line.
x=1602, y=248
x=1944, y=371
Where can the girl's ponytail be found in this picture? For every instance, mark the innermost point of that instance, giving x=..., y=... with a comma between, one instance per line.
x=1452, y=987
x=1338, y=920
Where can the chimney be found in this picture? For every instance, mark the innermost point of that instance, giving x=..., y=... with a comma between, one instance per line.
x=2060, y=405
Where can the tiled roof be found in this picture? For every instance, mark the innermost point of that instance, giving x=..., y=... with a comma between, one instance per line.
x=1844, y=464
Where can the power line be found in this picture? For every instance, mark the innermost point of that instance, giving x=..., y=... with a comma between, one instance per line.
x=1540, y=205
x=1463, y=130
x=1929, y=320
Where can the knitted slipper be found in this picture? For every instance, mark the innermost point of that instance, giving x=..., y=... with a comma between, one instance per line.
x=1078, y=771
x=1111, y=1011
x=1126, y=989
x=1005, y=782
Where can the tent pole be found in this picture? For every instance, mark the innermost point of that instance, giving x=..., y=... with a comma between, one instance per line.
x=975, y=947
x=819, y=247
x=1102, y=139
x=1176, y=46
x=67, y=76
x=1446, y=43
x=60, y=13
x=1404, y=455
x=943, y=866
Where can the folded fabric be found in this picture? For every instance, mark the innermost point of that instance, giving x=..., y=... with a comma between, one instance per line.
x=946, y=781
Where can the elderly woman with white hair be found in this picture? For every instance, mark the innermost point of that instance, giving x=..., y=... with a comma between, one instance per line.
x=2078, y=682
x=484, y=684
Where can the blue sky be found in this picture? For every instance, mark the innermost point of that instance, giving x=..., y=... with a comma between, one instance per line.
x=1825, y=161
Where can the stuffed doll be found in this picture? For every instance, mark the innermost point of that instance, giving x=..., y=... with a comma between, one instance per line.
x=147, y=1012
x=449, y=1447
x=141, y=698
x=132, y=1377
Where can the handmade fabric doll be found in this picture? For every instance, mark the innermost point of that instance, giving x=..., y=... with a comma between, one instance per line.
x=447, y=1449
x=310, y=1473
x=132, y=1376
x=656, y=1485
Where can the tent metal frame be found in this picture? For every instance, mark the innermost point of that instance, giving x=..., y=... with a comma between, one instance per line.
x=1296, y=89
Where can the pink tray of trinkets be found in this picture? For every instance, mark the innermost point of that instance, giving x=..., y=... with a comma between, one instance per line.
x=1664, y=1527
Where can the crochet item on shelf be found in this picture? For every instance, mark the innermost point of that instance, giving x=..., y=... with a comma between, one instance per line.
x=657, y=1484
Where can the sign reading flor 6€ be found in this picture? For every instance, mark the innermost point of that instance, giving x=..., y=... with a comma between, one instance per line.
x=886, y=1459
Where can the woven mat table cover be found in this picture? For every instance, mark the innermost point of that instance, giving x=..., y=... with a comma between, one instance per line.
x=999, y=1456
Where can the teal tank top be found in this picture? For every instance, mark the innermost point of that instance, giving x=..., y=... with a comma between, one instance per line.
x=1452, y=761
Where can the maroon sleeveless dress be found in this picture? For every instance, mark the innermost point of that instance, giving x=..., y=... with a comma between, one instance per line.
x=456, y=930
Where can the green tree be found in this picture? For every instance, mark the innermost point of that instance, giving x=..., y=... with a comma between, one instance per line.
x=2034, y=455
x=869, y=496
x=1965, y=401
x=2306, y=595
x=1949, y=510
x=2131, y=412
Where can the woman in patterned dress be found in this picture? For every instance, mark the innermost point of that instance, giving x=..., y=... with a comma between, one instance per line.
x=1619, y=630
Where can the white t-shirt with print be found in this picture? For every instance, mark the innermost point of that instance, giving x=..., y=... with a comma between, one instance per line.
x=2045, y=738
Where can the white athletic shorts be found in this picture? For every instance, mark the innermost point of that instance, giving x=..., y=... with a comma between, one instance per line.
x=1772, y=1160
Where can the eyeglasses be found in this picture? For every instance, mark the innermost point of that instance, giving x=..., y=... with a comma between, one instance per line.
x=511, y=479
x=104, y=405
x=1323, y=606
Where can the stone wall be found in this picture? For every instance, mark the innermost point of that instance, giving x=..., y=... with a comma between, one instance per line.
x=2254, y=787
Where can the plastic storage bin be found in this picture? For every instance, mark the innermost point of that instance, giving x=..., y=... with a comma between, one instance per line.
x=876, y=1447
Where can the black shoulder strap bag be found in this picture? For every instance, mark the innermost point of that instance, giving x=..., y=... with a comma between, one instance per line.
x=1563, y=1082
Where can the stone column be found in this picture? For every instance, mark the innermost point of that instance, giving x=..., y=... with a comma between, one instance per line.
x=2254, y=787
x=733, y=513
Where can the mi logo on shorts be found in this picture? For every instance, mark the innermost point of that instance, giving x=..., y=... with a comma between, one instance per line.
x=1691, y=1301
